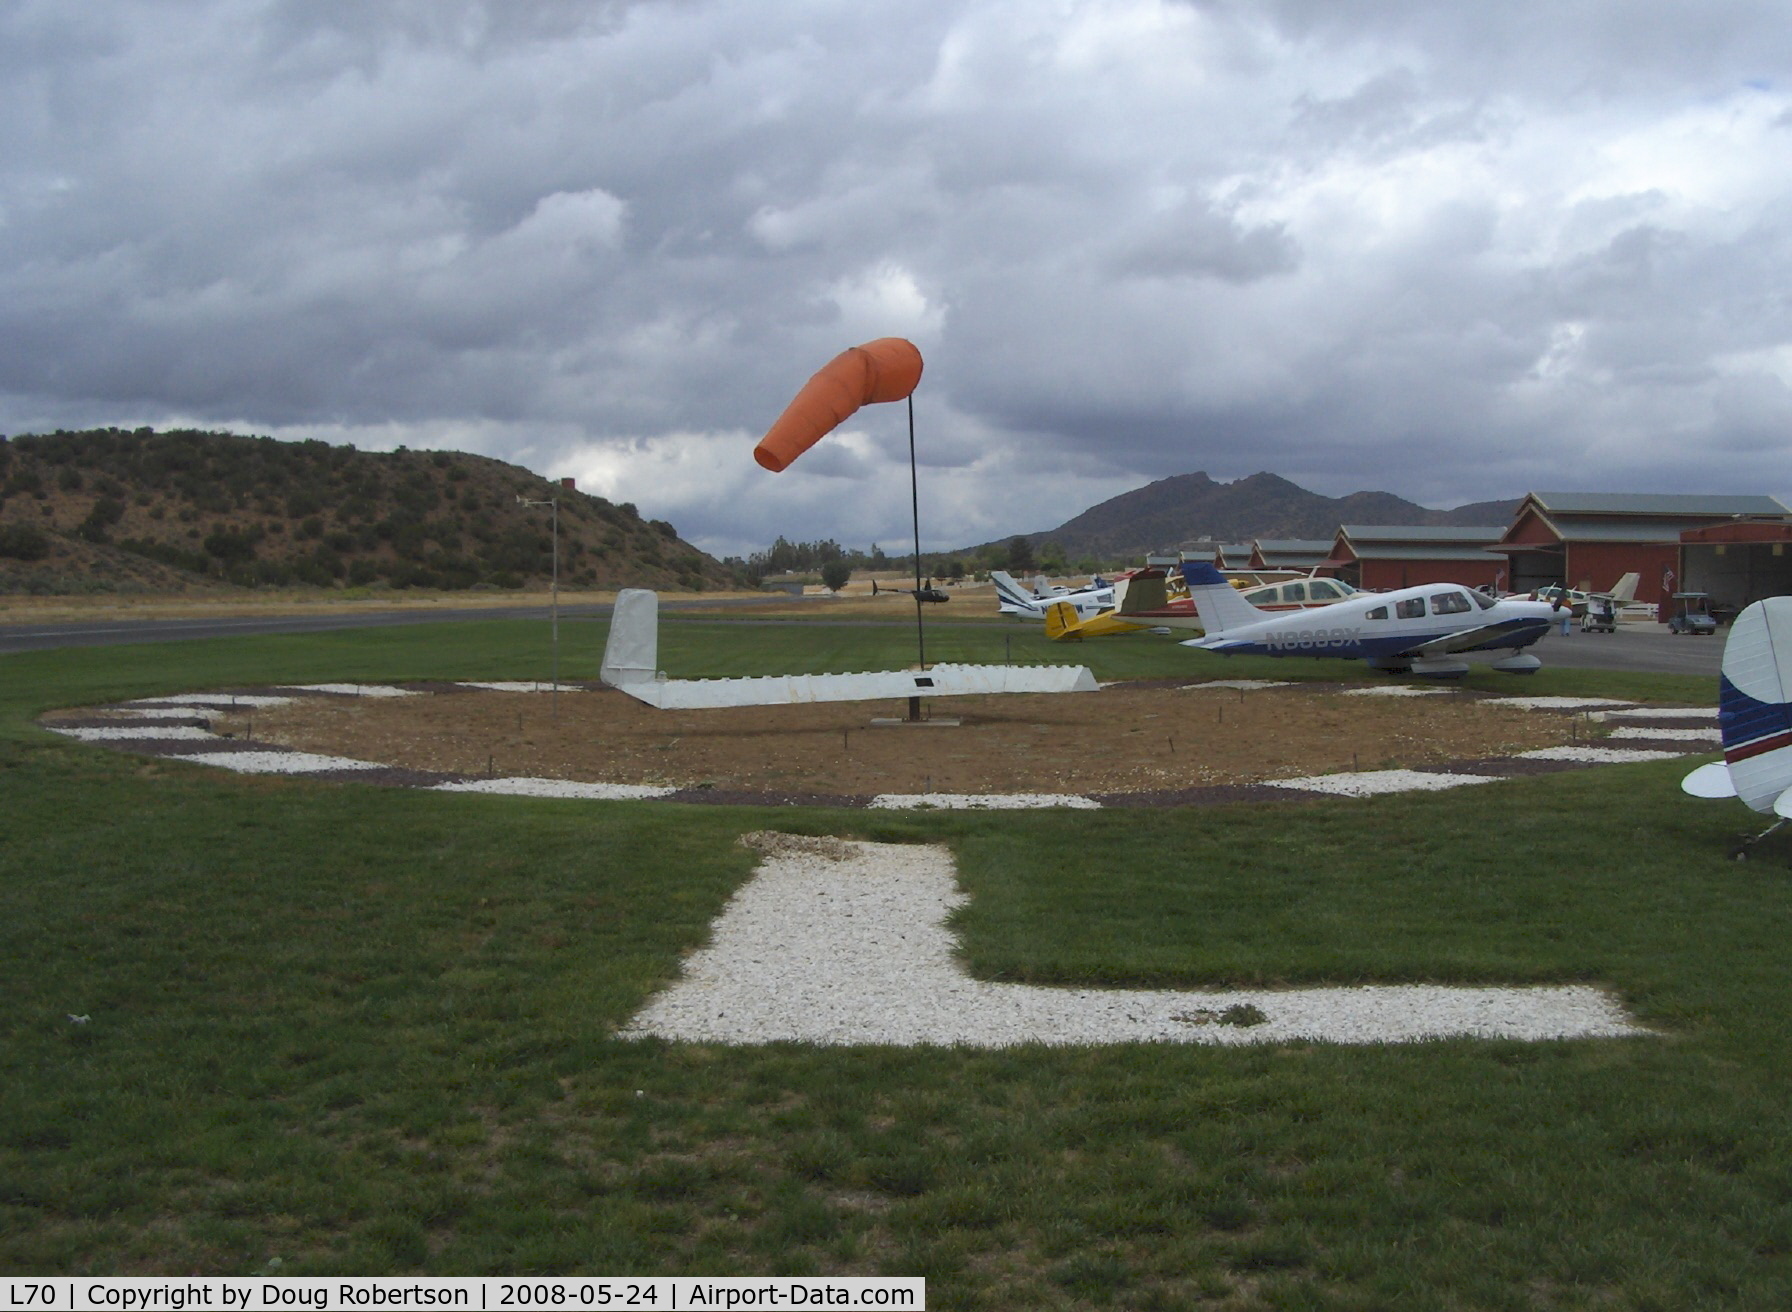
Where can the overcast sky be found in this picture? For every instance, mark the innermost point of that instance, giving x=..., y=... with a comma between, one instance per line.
x=1452, y=251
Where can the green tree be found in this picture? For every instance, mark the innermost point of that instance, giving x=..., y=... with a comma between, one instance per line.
x=834, y=575
x=1020, y=555
x=23, y=542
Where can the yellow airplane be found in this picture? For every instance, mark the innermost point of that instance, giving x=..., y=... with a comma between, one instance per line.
x=1144, y=599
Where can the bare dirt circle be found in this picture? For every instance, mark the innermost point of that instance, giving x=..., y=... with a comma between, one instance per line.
x=1133, y=738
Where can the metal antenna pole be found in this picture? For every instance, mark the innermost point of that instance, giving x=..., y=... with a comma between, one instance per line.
x=554, y=612
x=914, y=485
x=555, y=503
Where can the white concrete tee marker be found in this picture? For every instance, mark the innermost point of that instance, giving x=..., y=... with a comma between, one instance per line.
x=836, y=942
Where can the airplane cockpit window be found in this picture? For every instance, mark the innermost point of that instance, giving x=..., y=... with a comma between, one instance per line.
x=1413, y=608
x=1482, y=600
x=1323, y=590
x=1379, y=613
x=1449, y=603
x=1295, y=592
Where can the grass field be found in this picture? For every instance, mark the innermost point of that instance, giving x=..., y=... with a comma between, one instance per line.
x=341, y=1029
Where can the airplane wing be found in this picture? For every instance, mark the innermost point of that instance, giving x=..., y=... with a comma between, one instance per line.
x=1486, y=637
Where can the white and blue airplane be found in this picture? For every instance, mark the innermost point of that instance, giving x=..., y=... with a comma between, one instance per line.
x=1013, y=598
x=1418, y=630
x=1754, y=715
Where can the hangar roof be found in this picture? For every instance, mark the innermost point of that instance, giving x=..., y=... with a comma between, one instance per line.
x=1655, y=504
x=1357, y=542
x=1623, y=517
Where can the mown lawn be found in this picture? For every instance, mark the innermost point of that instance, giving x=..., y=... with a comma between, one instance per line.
x=344, y=1029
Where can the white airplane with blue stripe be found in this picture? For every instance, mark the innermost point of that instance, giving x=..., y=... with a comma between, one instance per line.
x=1419, y=631
x=1014, y=599
x=1754, y=715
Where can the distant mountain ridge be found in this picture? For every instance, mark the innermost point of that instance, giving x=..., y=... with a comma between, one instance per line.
x=1186, y=508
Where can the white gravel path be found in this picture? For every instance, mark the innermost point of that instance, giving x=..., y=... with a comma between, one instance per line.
x=1599, y=755
x=128, y=732
x=517, y=686
x=1396, y=690
x=278, y=762
x=158, y=712
x=981, y=801
x=1632, y=731
x=1368, y=783
x=572, y=788
x=359, y=689
x=1555, y=703
x=1706, y=713
x=835, y=942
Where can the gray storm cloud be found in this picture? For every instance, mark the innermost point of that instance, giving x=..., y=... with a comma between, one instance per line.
x=1454, y=253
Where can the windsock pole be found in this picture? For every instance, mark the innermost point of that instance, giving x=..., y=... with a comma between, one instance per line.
x=914, y=486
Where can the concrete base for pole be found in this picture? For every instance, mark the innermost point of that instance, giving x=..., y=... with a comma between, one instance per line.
x=938, y=723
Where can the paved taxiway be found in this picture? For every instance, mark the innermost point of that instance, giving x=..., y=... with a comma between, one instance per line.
x=1639, y=647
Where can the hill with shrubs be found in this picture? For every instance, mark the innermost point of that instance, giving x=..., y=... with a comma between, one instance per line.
x=110, y=510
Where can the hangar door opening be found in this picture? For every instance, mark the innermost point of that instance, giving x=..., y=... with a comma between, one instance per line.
x=1535, y=568
x=1738, y=573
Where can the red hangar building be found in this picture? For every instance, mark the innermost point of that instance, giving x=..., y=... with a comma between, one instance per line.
x=1382, y=557
x=1592, y=539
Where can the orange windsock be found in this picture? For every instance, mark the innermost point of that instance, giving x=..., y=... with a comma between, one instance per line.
x=885, y=370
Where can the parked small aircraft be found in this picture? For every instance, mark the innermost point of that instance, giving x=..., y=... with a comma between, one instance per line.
x=1145, y=598
x=1623, y=592
x=1754, y=714
x=1140, y=605
x=1014, y=599
x=1413, y=630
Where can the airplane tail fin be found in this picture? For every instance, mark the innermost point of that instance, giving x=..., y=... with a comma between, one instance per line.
x=1011, y=595
x=631, y=653
x=1624, y=589
x=1143, y=591
x=1216, y=601
x=1062, y=623
x=1754, y=702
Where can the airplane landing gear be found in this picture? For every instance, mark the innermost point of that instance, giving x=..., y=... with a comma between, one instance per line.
x=1741, y=850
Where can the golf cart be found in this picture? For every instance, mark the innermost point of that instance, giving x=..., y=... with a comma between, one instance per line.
x=1692, y=614
x=1601, y=615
